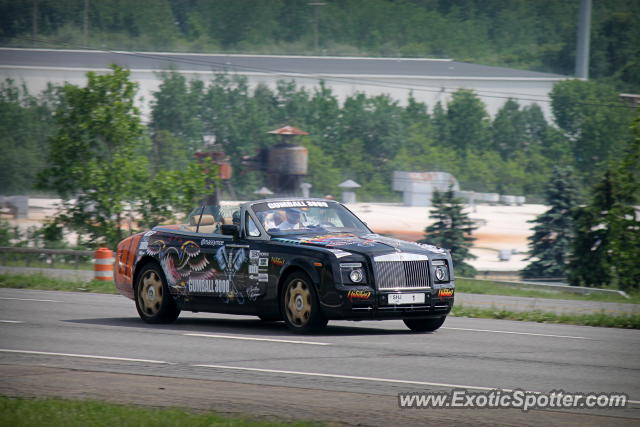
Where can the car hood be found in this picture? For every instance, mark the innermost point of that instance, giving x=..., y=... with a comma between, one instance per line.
x=369, y=244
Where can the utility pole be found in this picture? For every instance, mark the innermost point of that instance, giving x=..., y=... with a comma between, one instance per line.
x=584, y=30
x=315, y=22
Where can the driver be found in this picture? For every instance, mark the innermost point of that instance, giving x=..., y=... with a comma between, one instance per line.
x=292, y=221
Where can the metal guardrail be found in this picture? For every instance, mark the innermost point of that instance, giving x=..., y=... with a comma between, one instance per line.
x=557, y=287
x=49, y=256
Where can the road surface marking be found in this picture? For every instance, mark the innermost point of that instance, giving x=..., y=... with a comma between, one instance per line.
x=352, y=377
x=235, y=337
x=85, y=356
x=31, y=299
x=11, y=321
x=518, y=333
x=349, y=377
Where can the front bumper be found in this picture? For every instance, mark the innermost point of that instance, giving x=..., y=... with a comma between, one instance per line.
x=375, y=309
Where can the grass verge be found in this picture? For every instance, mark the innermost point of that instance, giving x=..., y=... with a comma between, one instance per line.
x=39, y=281
x=18, y=412
x=631, y=321
x=487, y=287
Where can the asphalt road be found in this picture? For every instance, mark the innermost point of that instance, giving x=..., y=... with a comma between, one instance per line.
x=94, y=345
x=258, y=63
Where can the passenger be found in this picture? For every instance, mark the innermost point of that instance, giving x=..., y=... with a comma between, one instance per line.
x=235, y=218
x=292, y=220
x=271, y=220
x=278, y=218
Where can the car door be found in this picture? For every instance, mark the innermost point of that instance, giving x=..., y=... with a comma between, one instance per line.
x=257, y=278
x=218, y=275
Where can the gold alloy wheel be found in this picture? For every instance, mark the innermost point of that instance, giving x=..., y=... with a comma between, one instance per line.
x=298, y=301
x=150, y=293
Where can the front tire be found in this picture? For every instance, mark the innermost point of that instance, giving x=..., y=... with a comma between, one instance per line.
x=424, y=325
x=300, y=306
x=153, y=300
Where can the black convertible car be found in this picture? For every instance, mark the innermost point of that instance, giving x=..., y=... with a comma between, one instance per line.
x=304, y=261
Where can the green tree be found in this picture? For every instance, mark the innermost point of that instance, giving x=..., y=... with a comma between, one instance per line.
x=468, y=122
x=97, y=157
x=452, y=230
x=168, y=152
x=551, y=243
x=607, y=243
x=239, y=125
x=177, y=108
x=171, y=194
x=595, y=121
x=440, y=124
x=509, y=129
x=324, y=119
x=25, y=125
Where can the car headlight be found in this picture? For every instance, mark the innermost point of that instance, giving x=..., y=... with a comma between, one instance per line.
x=441, y=271
x=356, y=276
x=352, y=271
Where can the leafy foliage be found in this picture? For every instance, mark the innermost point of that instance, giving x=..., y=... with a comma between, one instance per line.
x=607, y=243
x=25, y=124
x=551, y=243
x=595, y=121
x=95, y=155
x=451, y=230
x=98, y=164
x=364, y=139
x=172, y=193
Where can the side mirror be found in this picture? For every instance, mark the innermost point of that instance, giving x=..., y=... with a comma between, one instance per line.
x=230, y=230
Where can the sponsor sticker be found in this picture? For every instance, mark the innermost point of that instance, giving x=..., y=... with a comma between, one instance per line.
x=358, y=295
x=264, y=262
x=209, y=286
x=254, y=254
x=297, y=204
x=253, y=269
x=277, y=261
x=209, y=242
x=445, y=292
x=263, y=277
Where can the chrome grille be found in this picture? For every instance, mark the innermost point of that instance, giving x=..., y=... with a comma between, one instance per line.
x=401, y=271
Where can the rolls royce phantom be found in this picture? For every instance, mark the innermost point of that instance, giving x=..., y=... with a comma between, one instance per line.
x=304, y=261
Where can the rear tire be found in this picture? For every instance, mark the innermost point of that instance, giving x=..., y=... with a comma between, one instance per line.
x=153, y=300
x=424, y=325
x=300, y=306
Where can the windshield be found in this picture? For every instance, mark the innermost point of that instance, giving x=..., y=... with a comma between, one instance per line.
x=304, y=216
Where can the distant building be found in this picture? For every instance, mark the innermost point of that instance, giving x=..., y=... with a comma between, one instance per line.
x=429, y=80
x=418, y=187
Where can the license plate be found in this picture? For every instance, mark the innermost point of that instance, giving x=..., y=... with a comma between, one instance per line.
x=397, y=299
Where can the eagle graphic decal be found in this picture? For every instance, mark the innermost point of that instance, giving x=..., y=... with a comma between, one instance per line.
x=181, y=264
